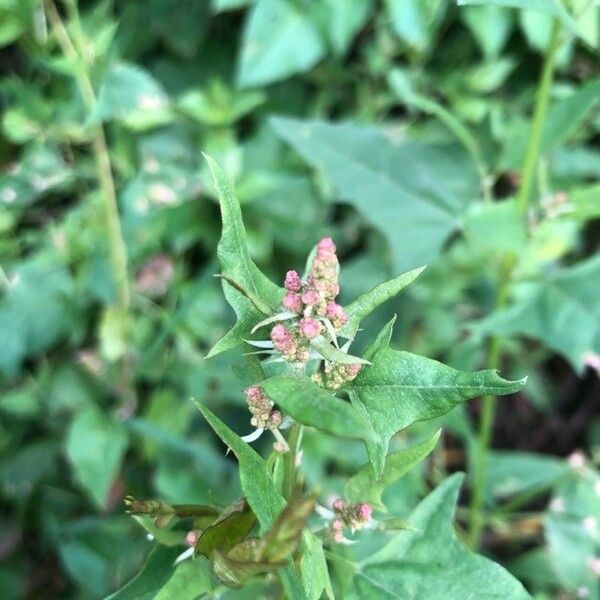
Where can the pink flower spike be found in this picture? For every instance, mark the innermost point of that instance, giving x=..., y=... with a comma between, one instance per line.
x=326, y=245
x=191, y=539
x=309, y=328
x=292, y=302
x=292, y=281
x=310, y=297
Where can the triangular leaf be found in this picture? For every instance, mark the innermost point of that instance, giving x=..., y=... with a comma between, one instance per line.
x=363, y=486
x=429, y=562
x=312, y=405
x=401, y=388
x=238, y=267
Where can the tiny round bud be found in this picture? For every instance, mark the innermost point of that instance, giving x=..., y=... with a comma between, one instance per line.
x=337, y=525
x=292, y=302
x=275, y=419
x=309, y=328
x=326, y=245
x=338, y=505
x=191, y=539
x=364, y=511
x=310, y=297
x=280, y=447
x=292, y=281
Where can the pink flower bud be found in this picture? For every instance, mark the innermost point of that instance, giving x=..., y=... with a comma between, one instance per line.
x=337, y=537
x=253, y=392
x=275, y=419
x=310, y=297
x=326, y=245
x=363, y=512
x=280, y=447
x=309, y=328
x=338, y=505
x=292, y=281
x=337, y=525
x=292, y=302
x=353, y=370
x=191, y=539
x=279, y=333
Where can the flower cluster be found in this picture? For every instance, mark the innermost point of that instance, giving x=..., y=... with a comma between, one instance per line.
x=263, y=415
x=354, y=515
x=314, y=303
x=335, y=375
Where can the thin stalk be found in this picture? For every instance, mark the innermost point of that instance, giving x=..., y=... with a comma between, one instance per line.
x=486, y=423
x=290, y=468
x=539, y=116
x=73, y=49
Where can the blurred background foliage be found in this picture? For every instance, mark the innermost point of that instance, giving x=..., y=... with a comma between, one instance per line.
x=398, y=127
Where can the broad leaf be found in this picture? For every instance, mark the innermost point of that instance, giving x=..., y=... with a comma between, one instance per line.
x=190, y=580
x=429, y=562
x=247, y=289
x=401, y=388
x=95, y=446
x=130, y=94
x=311, y=405
x=156, y=571
x=561, y=310
x=553, y=8
x=231, y=527
x=278, y=41
x=364, y=487
x=414, y=192
x=313, y=565
x=257, y=485
x=366, y=303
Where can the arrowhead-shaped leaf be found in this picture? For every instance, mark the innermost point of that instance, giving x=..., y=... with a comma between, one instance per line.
x=429, y=562
x=258, y=487
x=312, y=405
x=413, y=192
x=400, y=388
x=246, y=287
x=363, y=487
x=366, y=303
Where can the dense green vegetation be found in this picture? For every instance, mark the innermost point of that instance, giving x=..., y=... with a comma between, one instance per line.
x=411, y=132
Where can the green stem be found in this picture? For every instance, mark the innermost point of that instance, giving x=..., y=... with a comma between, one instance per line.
x=74, y=50
x=486, y=423
x=539, y=116
x=290, y=468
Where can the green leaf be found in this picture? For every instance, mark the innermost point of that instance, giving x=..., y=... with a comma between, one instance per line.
x=366, y=303
x=95, y=446
x=561, y=310
x=382, y=340
x=553, y=8
x=343, y=19
x=237, y=266
x=490, y=26
x=570, y=528
x=413, y=192
x=190, y=580
x=130, y=94
x=416, y=21
x=257, y=485
x=156, y=571
x=278, y=40
x=283, y=538
x=429, y=562
x=333, y=354
x=510, y=473
x=231, y=527
x=401, y=388
x=313, y=565
x=363, y=486
x=311, y=405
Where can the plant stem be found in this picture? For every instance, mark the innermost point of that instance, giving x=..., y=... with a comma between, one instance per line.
x=73, y=49
x=539, y=116
x=486, y=422
x=290, y=470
